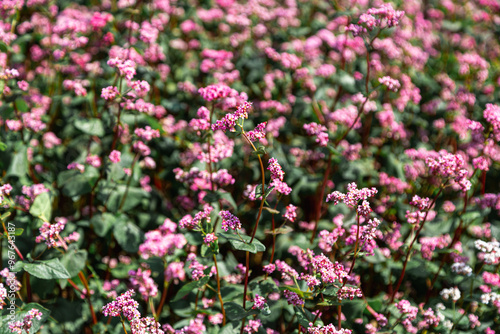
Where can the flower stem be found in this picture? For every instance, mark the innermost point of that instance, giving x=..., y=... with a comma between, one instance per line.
x=218, y=292
x=400, y=280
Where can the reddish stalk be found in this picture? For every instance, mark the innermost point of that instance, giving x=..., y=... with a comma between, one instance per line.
x=163, y=298
x=256, y=225
x=218, y=292
x=400, y=280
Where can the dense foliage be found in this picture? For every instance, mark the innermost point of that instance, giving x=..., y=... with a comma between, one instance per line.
x=253, y=166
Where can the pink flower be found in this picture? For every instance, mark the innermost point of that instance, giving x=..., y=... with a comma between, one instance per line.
x=229, y=221
x=109, y=93
x=209, y=238
x=259, y=302
x=93, y=160
x=290, y=213
x=293, y=298
x=115, y=156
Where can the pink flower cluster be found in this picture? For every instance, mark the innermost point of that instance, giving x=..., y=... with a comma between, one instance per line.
x=25, y=325
x=293, y=298
x=229, y=221
x=215, y=92
x=162, y=241
x=228, y=122
x=353, y=196
x=320, y=131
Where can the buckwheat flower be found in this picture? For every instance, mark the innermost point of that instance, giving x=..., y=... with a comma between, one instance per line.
x=50, y=232
x=115, y=156
x=142, y=280
x=109, y=93
x=93, y=160
x=461, y=269
x=290, y=213
x=75, y=165
x=126, y=68
x=280, y=187
x=216, y=319
x=276, y=170
x=140, y=86
x=269, y=268
x=481, y=163
x=293, y=298
x=147, y=325
x=390, y=83
x=328, y=329
x=175, y=271
x=144, y=182
x=253, y=326
x=147, y=133
x=50, y=140
x=18, y=326
x=310, y=280
x=162, y=241
x=259, y=302
x=474, y=321
x=369, y=233
x=405, y=308
x=452, y=293
x=228, y=122
x=320, y=131
x=209, y=238
x=14, y=125
x=258, y=133
x=10, y=279
x=421, y=203
x=148, y=163
x=3, y=295
x=364, y=209
x=141, y=148
x=287, y=272
x=229, y=221
x=348, y=292
x=23, y=85
x=123, y=305
x=214, y=92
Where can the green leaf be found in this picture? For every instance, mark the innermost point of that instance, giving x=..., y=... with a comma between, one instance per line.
x=19, y=163
x=263, y=287
x=21, y=105
x=17, y=232
x=91, y=126
x=260, y=151
x=42, y=206
x=128, y=235
x=49, y=269
x=74, y=261
x=244, y=245
x=191, y=286
x=103, y=223
x=76, y=185
x=304, y=316
x=236, y=312
x=212, y=197
x=228, y=329
x=3, y=146
x=346, y=81
x=134, y=197
x=206, y=250
x=4, y=47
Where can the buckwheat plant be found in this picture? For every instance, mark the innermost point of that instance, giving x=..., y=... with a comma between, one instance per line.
x=256, y=166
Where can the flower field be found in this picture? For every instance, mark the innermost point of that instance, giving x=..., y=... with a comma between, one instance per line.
x=260, y=166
